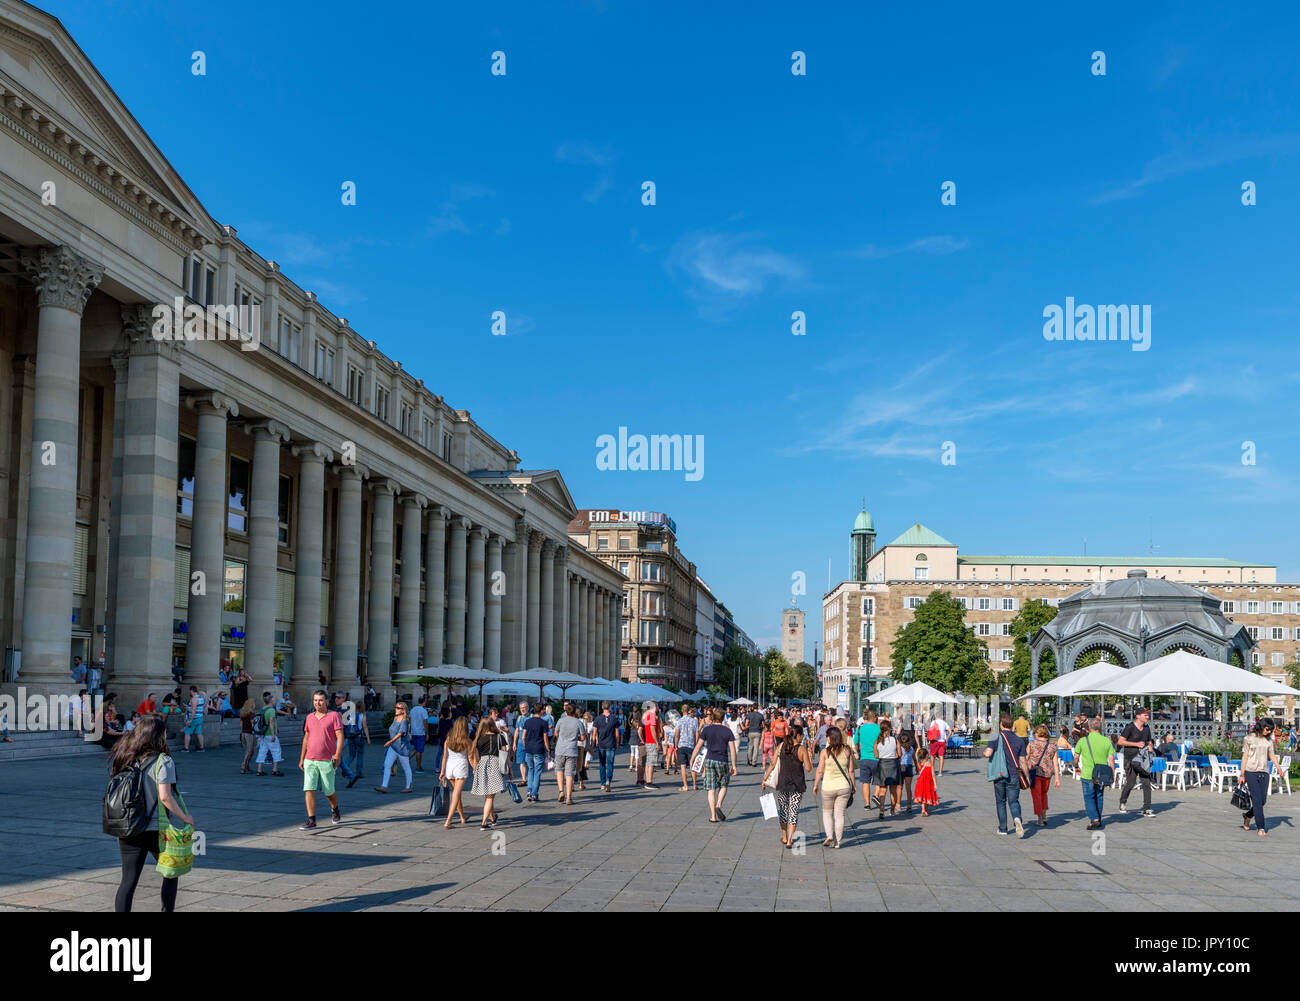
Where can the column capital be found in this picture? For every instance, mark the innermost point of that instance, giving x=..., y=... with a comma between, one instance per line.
x=62, y=277
x=464, y=524
x=121, y=363
x=352, y=469
x=496, y=541
x=548, y=548
x=263, y=429
x=561, y=553
x=208, y=402
x=380, y=484
x=137, y=323
x=479, y=531
x=313, y=451
x=535, y=540
x=419, y=500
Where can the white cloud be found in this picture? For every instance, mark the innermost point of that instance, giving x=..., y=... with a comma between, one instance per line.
x=935, y=246
x=731, y=267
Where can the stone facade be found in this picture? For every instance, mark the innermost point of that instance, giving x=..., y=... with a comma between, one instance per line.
x=189, y=502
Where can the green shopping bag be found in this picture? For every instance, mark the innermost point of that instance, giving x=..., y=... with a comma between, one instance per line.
x=175, y=844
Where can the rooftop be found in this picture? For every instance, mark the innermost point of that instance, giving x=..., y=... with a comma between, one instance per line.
x=1092, y=561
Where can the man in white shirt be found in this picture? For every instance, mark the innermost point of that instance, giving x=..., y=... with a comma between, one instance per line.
x=941, y=744
x=419, y=730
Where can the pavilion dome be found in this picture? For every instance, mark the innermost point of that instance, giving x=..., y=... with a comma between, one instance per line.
x=863, y=523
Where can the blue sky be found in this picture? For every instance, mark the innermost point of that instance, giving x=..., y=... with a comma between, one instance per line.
x=778, y=193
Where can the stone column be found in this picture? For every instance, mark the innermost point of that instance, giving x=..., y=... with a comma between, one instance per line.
x=560, y=638
x=120, y=362
x=602, y=633
x=408, y=605
x=492, y=627
x=435, y=587
x=346, y=583
x=475, y=596
x=140, y=635
x=546, y=606
x=575, y=611
x=64, y=281
x=591, y=632
x=379, y=640
x=263, y=549
x=532, y=657
x=616, y=634
x=513, y=612
x=456, y=557
x=584, y=624
x=309, y=560
x=208, y=536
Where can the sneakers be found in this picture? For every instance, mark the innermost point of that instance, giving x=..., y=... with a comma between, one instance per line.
x=1001, y=834
x=649, y=785
x=1148, y=813
x=309, y=826
x=1020, y=828
x=1095, y=825
x=380, y=789
x=1123, y=808
x=336, y=817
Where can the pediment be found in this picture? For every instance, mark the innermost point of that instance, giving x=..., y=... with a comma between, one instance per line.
x=58, y=95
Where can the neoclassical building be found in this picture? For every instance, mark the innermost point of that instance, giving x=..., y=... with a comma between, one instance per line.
x=307, y=503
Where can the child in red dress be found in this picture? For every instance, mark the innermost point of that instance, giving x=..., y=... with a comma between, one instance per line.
x=927, y=793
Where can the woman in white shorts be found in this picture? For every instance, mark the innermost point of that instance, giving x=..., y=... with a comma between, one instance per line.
x=455, y=766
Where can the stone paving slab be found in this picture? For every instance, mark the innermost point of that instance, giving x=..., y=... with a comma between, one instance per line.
x=637, y=850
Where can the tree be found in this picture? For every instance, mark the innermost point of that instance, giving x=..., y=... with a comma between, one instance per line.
x=1032, y=616
x=779, y=674
x=729, y=671
x=805, y=680
x=944, y=652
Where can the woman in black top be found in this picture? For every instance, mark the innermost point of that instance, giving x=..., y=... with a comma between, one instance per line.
x=791, y=761
x=147, y=745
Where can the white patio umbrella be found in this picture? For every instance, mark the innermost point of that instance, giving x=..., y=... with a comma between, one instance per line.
x=543, y=676
x=1085, y=681
x=885, y=692
x=1184, y=671
x=612, y=690
x=452, y=673
x=654, y=693
x=918, y=693
x=741, y=702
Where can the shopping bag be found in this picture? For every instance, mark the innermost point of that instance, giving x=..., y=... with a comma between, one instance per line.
x=515, y=795
x=175, y=844
x=438, y=801
x=697, y=765
x=503, y=760
x=768, y=802
x=1241, y=798
x=550, y=764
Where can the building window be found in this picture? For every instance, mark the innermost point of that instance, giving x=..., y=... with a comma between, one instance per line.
x=868, y=632
x=651, y=571
x=1277, y=633
x=1252, y=608
x=290, y=340
x=983, y=629
x=868, y=606
x=324, y=370
x=921, y=557
x=965, y=603
x=356, y=385
x=984, y=604
x=446, y=446
x=921, y=573
x=407, y=419
x=624, y=543
x=627, y=601
x=652, y=633
x=1279, y=659
x=602, y=543
x=864, y=656
x=1276, y=608
x=381, y=404
x=428, y=434
x=237, y=504
x=1253, y=632
x=652, y=603
x=1229, y=607
x=913, y=601
x=1006, y=629
x=185, y=477
x=286, y=493
x=199, y=279
x=1010, y=604
x=1007, y=655
x=625, y=631
x=1257, y=659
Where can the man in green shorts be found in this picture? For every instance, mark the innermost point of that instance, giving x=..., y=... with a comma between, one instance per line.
x=322, y=751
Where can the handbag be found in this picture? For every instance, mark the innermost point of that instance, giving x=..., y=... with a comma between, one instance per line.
x=175, y=844
x=774, y=775
x=846, y=777
x=1021, y=777
x=768, y=802
x=438, y=801
x=515, y=795
x=1144, y=761
x=1241, y=798
x=697, y=766
x=1102, y=774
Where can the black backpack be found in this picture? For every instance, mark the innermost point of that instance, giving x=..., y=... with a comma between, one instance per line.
x=125, y=809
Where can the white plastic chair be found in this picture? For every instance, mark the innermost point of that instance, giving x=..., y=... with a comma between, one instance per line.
x=1281, y=775
x=1176, y=770
x=1222, y=774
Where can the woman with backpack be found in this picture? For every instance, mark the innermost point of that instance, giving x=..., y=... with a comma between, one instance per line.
x=1043, y=766
x=134, y=803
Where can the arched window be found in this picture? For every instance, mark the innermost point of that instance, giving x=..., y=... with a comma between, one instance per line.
x=921, y=557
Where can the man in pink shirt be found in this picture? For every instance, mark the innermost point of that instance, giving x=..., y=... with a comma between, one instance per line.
x=322, y=750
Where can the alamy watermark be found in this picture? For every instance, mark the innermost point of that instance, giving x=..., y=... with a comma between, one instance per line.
x=40, y=712
x=1098, y=323
x=179, y=321
x=658, y=452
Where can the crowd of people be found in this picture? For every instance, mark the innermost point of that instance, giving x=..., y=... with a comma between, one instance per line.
x=894, y=764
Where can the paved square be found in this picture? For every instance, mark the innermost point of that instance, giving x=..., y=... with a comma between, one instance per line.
x=634, y=849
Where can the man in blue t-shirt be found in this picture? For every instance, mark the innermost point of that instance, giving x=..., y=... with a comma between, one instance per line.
x=536, y=748
x=608, y=733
